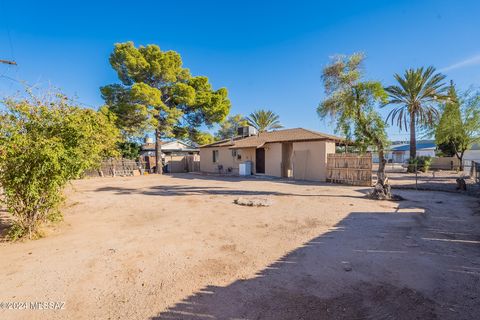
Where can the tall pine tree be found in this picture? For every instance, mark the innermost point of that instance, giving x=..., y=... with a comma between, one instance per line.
x=157, y=92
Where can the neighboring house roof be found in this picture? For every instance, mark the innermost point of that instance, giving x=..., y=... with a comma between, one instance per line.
x=177, y=145
x=420, y=146
x=169, y=146
x=148, y=146
x=287, y=135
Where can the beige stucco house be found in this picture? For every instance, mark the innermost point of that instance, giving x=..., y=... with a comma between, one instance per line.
x=291, y=153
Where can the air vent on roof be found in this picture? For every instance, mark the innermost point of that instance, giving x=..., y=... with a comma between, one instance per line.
x=247, y=131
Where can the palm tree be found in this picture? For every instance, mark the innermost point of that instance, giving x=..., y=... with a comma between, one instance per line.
x=264, y=120
x=417, y=95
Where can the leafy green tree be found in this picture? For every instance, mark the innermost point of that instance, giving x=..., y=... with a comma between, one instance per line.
x=416, y=97
x=264, y=120
x=202, y=138
x=459, y=124
x=351, y=101
x=43, y=145
x=447, y=149
x=157, y=92
x=229, y=127
x=129, y=149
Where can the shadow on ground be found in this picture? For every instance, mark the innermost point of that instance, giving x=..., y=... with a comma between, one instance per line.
x=369, y=266
x=184, y=190
x=188, y=190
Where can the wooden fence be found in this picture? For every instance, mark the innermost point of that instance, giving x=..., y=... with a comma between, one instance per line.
x=182, y=163
x=350, y=168
x=445, y=163
x=475, y=171
x=127, y=167
x=117, y=167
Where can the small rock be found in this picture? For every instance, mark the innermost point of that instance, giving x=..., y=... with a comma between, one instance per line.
x=252, y=202
x=346, y=266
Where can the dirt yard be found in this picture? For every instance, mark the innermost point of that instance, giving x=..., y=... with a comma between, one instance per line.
x=176, y=247
x=433, y=180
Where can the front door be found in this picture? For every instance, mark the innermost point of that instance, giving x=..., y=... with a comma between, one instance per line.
x=260, y=160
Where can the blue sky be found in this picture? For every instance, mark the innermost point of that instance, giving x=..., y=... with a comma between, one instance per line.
x=268, y=54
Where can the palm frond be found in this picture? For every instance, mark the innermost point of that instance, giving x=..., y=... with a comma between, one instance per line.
x=264, y=120
x=418, y=92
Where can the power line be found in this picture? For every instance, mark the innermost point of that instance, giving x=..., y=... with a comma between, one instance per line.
x=25, y=83
x=13, y=63
x=9, y=35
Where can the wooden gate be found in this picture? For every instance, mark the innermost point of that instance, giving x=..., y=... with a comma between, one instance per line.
x=350, y=168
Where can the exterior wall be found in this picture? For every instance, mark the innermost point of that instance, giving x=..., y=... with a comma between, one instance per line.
x=472, y=155
x=427, y=152
x=402, y=156
x=315, y=162
x=225, y=159
x=314, y=167
x=273, y=159
x=468, y=157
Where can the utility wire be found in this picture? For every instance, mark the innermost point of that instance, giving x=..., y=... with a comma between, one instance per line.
x=9, y=35
x=30, y=86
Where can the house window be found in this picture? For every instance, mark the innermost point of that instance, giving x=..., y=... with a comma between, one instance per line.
x=236, y=154
x=215, y=156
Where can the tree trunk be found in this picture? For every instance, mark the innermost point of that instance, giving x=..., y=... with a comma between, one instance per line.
x=381, y=166
x=382, y=189
x=413, y=139
x=461, y=160
x=158, y=152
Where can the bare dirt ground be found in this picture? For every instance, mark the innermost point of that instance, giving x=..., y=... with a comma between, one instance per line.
x=176, y=247
x=433, y=180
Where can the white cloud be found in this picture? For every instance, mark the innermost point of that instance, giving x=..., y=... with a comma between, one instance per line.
x=472, y=61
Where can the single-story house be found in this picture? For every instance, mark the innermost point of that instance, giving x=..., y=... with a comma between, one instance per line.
x=172, y=147
x=472, y=154
x=399, y=152
x=174, y=155
x=291, y=153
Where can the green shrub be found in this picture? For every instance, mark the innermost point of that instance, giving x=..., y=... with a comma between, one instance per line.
x=421, y=163
x=43, y=145
x=424, y=163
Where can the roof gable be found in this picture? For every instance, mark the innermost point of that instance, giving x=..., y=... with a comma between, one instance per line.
x=287, y=135
x=176, y=145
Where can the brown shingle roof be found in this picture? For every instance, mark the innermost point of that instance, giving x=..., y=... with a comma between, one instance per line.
x=287, y=135
x=148, y=146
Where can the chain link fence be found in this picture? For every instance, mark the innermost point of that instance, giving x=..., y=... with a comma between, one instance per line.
x=475, y=171
x=436, y=176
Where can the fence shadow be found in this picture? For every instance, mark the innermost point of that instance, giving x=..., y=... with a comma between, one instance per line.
x=185, y=190
x=251, y=178
x=329, y=277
